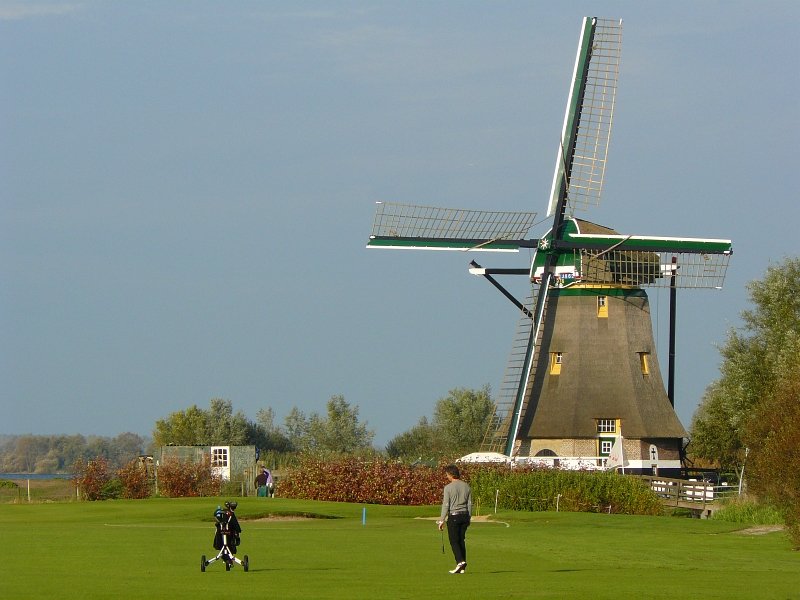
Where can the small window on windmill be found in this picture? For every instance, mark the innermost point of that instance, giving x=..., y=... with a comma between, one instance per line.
x=556, y=359
x=644, y=361
x=606, y=425
x=602, y=307
x=605, y=447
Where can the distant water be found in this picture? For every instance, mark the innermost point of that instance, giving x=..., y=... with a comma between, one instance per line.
x=35, y=476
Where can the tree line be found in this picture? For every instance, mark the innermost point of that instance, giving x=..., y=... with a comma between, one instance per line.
x=748, y=420
x=59, y=453
x=458, y=425
x=459, y=421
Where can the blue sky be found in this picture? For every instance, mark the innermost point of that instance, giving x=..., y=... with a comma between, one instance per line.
x=186, y=191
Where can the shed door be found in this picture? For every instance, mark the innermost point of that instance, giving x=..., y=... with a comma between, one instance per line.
x=221, y=461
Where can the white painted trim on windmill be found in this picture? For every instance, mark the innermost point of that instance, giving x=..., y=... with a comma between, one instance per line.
x=561, y=271
x=533, y=262
x=551, y=204
x=560, y=151
x=428, y=249
x=624, y=238
x=474, y=271
x=653, y=453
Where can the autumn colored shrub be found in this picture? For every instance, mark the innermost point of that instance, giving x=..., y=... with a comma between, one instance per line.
x=378, y=481
x=774, y=437
x=364, y=480
x=134, y=480
x=92, y=478
x=177, y=479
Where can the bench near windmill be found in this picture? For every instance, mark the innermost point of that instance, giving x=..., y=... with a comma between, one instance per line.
x=583, y=370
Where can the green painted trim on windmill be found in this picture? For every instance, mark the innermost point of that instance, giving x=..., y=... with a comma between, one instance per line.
x=582, y=290
x=647, y=243
x=441, y=244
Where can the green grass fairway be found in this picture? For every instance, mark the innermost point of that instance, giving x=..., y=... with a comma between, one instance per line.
x=151, y=549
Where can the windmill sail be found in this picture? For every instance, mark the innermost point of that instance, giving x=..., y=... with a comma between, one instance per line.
x=409, y=226
x=500, y=424
x=670, y=268
x=581, y=157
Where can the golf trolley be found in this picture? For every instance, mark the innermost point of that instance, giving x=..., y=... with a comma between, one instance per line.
x=226, y=539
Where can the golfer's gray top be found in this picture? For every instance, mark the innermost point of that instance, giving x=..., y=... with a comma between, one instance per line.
x=457, y=499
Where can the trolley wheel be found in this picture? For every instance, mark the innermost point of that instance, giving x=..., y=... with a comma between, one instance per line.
x=203, y=563
x=246, y=563
x=227, y=566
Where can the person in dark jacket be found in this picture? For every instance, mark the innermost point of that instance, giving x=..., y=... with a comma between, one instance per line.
x=264, y=484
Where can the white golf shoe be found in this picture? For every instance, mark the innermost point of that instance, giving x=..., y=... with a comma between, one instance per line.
x=459, y=568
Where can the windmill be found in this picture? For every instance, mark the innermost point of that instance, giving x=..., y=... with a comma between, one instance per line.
x=583, y=367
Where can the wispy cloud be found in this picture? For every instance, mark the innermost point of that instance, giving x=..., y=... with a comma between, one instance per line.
x=17, y=11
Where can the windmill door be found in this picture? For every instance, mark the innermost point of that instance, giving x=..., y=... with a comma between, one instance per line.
x=221, y=461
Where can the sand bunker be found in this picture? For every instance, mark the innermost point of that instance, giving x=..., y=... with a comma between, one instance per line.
x=269, y=518
x=761, y=529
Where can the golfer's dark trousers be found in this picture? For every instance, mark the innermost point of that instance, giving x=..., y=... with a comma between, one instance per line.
x=457, y=532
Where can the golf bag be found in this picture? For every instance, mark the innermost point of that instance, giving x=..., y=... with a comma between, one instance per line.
x=266, y=491
x=226, y=539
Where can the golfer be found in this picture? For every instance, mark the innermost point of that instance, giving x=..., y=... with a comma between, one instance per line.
x=456, y=511
x=264, y=484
